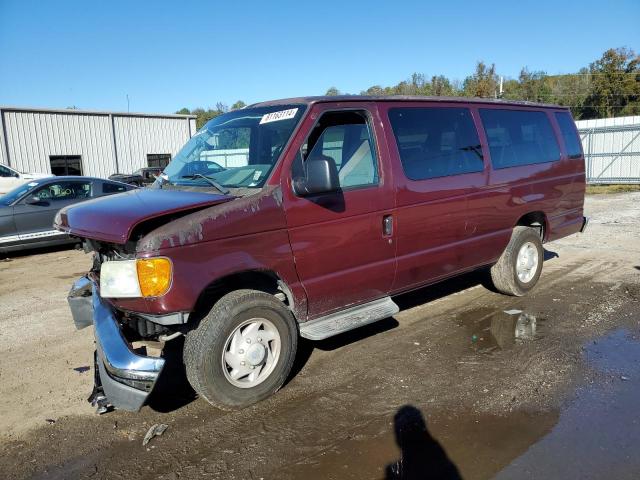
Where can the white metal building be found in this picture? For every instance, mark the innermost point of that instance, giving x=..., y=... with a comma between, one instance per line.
x=90, y=143
x=611, y=149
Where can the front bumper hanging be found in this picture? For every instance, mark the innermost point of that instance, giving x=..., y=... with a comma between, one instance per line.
x=126, y=378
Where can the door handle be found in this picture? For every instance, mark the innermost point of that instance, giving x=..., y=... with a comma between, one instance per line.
x=387, y=225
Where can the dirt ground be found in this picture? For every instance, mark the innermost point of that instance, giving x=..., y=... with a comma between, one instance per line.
x=463, y=381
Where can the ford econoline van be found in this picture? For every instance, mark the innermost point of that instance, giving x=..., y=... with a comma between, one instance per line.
x=323, y=209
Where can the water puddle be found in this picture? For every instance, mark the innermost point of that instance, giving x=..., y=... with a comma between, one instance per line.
x=596, y=435
x=489, y=331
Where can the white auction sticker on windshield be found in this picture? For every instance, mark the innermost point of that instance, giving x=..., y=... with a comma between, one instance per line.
x=281, y=115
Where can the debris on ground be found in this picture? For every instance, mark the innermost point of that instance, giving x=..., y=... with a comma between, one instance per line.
x=82, y=369
x=50, y=421
x=155, y=431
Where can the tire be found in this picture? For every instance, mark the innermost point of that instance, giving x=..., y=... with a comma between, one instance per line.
x=505, y=273
x=207, y=347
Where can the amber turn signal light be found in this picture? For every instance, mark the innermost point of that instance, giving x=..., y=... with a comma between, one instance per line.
x=154, y=276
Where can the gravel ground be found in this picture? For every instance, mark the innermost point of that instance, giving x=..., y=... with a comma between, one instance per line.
x=485, y=395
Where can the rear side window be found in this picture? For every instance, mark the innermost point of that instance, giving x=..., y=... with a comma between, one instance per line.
x=518, y=137
x=436, y=142
x=569, y=134
x=113, y=188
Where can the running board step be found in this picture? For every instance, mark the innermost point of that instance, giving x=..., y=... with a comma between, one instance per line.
x=345, y=320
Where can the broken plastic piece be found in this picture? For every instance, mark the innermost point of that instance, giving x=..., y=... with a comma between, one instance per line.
x=155, y=431
x=513, y=312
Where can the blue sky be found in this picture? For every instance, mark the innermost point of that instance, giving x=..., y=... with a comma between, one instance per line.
x=170, y=54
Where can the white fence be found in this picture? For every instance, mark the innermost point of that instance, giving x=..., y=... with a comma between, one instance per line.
x=238, y=157
x=611, y=149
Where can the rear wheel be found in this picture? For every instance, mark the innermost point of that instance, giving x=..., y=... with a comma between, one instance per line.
x=520, y=265
x=243, y=350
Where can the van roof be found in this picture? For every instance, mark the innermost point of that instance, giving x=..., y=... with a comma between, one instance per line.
x=401, y=98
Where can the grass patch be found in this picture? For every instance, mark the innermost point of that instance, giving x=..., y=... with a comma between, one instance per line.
x=601, y=189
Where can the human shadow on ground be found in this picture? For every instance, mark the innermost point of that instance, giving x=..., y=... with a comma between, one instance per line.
x=421, y=456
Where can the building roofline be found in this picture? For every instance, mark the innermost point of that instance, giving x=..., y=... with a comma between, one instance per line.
x=70, y=111
x=403, y=98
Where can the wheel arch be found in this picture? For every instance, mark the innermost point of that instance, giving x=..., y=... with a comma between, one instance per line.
x=536, y=219
x=266, y=281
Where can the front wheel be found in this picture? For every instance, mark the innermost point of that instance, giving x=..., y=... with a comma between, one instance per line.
x=520, y=265
x=243, y=350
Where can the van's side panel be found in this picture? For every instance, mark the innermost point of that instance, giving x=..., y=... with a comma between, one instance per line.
x=430, y=216
x=555, y=189
x=569, y=212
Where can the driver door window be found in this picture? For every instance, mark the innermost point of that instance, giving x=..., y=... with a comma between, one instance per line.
x=345, y=138
x=61, y=191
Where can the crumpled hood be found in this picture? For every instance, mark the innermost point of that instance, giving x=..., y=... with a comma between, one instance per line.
x=113, y=218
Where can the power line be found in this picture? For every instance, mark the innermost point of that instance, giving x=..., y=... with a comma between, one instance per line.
x=587, y=74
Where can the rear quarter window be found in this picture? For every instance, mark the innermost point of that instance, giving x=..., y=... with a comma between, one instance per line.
x=569, y=134
x=436, y=142
x=108, y=188
x=519, y=137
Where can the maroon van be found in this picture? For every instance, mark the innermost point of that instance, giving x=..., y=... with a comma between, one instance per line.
x=323, y=209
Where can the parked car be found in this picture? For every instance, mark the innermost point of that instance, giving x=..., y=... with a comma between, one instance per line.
x=343, y=203
x=27, y=212
x=141, y=177
x=10, y=178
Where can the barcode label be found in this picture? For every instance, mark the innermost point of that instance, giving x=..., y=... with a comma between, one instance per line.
x=281, y=115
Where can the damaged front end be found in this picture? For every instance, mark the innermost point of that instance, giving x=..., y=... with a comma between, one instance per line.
x=125, y=377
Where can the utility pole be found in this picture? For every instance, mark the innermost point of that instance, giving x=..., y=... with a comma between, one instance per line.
x=501, y=92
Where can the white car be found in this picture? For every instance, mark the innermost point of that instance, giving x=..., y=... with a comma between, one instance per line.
x=10, y=178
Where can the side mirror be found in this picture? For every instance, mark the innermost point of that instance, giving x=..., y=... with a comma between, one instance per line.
x=320, y=176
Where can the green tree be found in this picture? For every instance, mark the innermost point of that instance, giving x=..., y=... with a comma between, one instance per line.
x=571, y=90
x=184, y=111
x=238, y=105
x=441, y=86
x=375, y=90
x=332, y=92
x=483, y=83
x=615, y=84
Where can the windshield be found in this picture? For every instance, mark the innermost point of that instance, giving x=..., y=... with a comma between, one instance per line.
x=235, y=150
x=13, y=195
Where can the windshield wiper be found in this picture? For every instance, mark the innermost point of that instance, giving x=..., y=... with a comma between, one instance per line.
x=211, y=182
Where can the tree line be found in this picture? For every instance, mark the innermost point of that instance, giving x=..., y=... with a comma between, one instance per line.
x=607, y=87
x=203, y=116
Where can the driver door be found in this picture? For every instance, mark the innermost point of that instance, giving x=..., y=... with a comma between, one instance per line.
x=34, y=220
x=343, y=254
